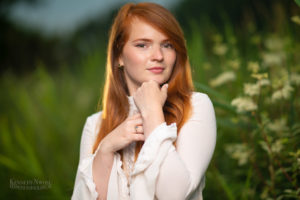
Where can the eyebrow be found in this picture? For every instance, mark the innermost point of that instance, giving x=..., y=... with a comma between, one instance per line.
x=142, y=39
x=148, y=40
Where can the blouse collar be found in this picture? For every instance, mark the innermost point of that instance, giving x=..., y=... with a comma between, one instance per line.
x=132, y=106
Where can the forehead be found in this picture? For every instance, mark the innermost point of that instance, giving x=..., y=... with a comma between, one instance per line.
x=142, y=29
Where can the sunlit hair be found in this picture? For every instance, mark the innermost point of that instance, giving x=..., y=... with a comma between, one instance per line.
x=115, y=103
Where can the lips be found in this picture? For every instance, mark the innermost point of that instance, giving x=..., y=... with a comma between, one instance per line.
x=156, y=70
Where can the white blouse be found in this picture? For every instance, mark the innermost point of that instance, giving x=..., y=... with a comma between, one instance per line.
x=161, y=171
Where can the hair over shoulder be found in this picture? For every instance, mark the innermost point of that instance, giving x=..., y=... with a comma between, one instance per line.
x=115, y=106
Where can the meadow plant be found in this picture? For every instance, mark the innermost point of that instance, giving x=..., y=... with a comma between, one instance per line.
x=267, y=121
x=256, y=97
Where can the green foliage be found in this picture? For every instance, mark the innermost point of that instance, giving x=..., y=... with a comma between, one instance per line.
x=41, y=120
x=256, y=97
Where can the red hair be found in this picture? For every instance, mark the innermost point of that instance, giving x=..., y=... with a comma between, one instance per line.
x=115, y=104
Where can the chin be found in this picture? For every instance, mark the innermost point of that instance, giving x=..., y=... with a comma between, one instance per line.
x=159, y=81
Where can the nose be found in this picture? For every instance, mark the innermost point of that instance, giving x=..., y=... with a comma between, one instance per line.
x=157, y=54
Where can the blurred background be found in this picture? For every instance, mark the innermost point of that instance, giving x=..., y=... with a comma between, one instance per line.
x=245, y=55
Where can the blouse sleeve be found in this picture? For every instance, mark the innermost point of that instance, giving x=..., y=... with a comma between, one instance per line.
x=85, y=187
x=195, y=147
x=175, y=173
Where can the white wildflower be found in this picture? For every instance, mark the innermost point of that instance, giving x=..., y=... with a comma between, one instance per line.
x=240, y=152
x=280, y=78
x=253, y=67
x=251, y=89
x=278, y=125
x=273, y=58
x=283, y=93
x=277, y=146
x=244, y=104
x=287, y=90
x=274, y=43
x=263, y=82
x=223, y=78
x=277, y=95
x=220, y=49
x=295, y=79
x=259, y=76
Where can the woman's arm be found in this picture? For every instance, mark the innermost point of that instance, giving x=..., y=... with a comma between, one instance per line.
x=102, y=166
x=150, y=99
x=84, y=187
x=116, y=140
x=94, y=170
x=169, y=173
x=184, y=168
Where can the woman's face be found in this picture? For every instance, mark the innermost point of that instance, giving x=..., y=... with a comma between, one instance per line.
x=147, y=55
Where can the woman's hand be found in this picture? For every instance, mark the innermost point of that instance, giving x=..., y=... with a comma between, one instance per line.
x=150, y=99
x=129, y=131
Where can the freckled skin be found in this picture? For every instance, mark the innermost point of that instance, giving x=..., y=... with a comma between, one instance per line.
x=146, y=48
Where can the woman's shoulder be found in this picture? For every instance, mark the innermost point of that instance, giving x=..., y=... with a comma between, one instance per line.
x=94, y=116
x=201, y=105
x=93, y=120
x=200, y=98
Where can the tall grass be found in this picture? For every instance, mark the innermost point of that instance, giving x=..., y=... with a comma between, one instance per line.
x=41, y=119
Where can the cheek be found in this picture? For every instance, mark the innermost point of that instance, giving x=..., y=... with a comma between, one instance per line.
x=171, y=59
x=133, y=58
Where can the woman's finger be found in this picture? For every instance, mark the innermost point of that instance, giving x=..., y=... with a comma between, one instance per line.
x=164, y=89
x=139, y=129
x=138, y=137
x=135, y=116
x=137, y=122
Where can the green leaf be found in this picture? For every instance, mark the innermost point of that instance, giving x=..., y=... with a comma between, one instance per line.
x=297, y=2
x=29, y=153
x=10, y=164
x=223, y=105
x=222, y=181
x=209, y=90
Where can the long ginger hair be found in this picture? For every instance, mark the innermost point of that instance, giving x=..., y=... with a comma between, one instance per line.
x=115, y=105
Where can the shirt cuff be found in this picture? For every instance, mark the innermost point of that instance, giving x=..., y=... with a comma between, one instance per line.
x=152, y=145
x=86, y=171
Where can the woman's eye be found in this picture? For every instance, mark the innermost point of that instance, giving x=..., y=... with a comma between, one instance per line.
x=141, y=45
x=168, y=45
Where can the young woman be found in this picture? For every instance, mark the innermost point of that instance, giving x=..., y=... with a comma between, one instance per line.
x=155, y=136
